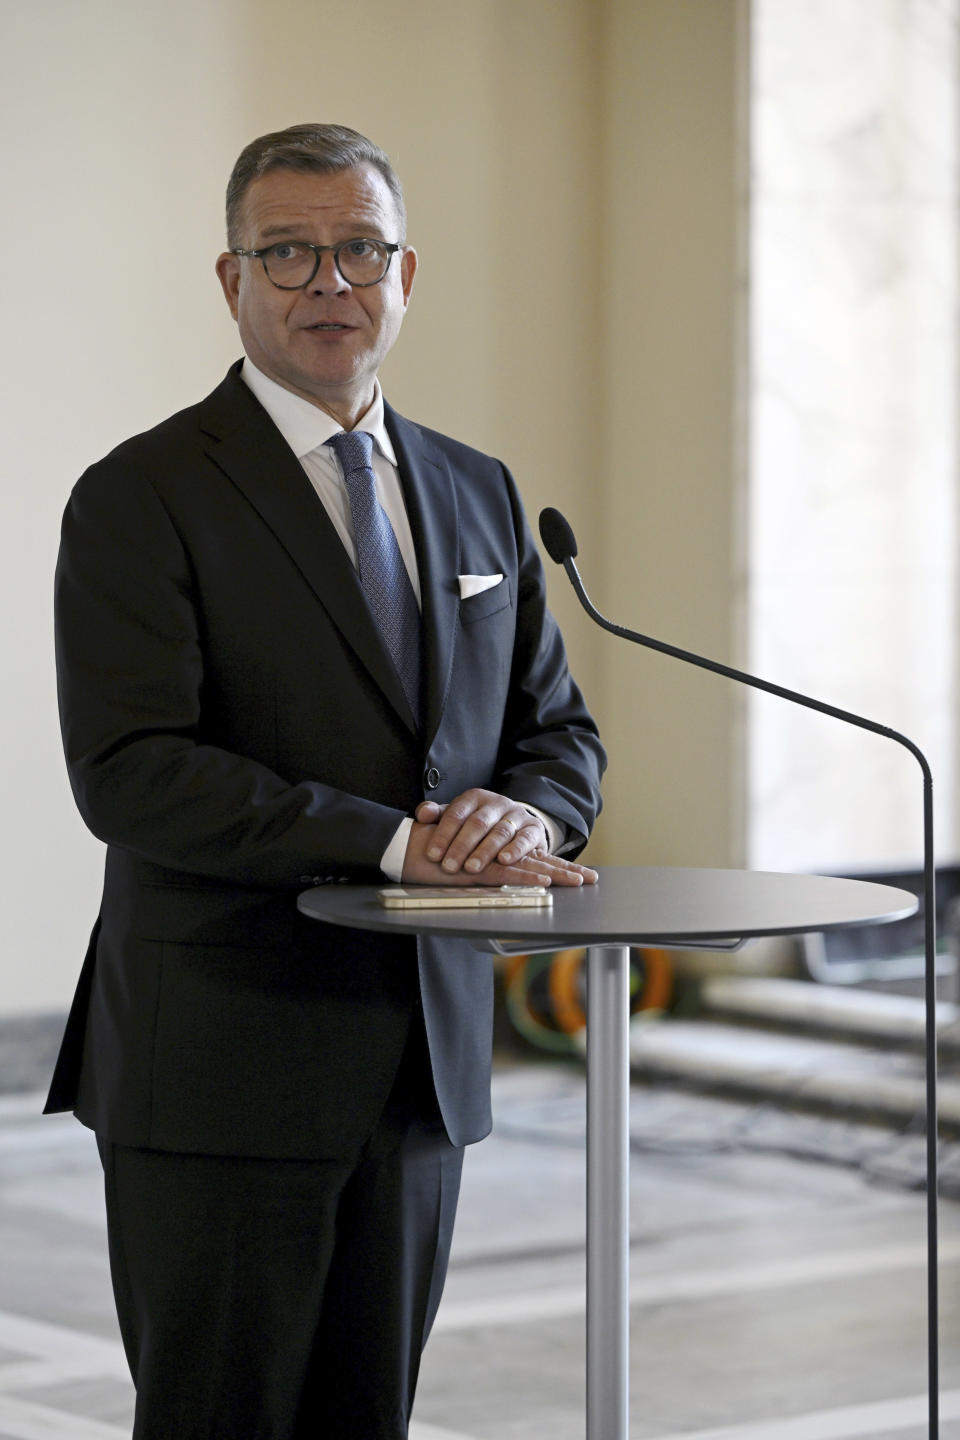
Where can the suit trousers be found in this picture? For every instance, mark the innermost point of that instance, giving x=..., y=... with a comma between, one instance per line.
x=268, y=1299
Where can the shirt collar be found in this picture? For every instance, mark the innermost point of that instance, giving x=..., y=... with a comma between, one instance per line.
x=305, y=426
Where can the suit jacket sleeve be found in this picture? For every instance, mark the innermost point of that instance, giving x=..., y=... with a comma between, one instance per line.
x=130, y=666
x=550, y=755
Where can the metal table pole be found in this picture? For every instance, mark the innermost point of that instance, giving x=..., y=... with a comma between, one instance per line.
x=608, y=1192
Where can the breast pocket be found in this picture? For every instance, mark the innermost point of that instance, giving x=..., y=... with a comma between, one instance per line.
x=488, y=602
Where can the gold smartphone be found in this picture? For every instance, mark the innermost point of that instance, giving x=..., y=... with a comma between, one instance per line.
x=465, y=897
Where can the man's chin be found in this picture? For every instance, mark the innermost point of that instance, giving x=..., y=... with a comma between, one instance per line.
x=321, y=387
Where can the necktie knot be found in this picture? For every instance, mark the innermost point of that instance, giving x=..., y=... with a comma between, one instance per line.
x=353, y=448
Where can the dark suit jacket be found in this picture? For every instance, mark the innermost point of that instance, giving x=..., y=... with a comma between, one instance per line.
x=235, y=732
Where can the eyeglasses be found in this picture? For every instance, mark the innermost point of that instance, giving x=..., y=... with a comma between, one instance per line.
x=292, y=264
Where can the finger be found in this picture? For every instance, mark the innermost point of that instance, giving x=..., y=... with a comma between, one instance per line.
x=530, y=839
x=477, y=822
x=546, y=870
x=560, y=875
x=516, y=832
x=455, y=815
x=565, y=872
x=509, y=839
x=468, y=847
x=589, y=874
x=428, y=812
x=526, y=873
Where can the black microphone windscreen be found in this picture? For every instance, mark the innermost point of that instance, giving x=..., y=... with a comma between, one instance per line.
x=558, y=539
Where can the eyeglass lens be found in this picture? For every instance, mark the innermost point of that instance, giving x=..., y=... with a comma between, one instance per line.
x=360, y=262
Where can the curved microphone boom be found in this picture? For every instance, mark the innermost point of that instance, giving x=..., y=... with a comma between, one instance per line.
x=561, y=545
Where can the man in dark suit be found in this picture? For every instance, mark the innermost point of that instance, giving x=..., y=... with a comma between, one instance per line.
x=281, y=1106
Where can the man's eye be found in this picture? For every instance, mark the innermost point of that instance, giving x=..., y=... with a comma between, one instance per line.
x=286, y=252
x=361, y=249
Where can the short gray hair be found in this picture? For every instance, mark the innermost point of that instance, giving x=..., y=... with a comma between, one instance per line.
x=322, y=149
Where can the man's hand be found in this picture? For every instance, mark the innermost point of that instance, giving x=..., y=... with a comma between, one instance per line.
x=487, y=839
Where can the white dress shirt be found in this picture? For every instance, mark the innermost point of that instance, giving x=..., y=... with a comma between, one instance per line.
x=306, y=429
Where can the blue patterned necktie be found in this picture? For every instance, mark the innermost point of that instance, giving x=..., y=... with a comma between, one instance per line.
x=383, y=575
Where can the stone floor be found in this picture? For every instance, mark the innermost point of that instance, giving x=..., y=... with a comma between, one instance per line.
x=777, y=1278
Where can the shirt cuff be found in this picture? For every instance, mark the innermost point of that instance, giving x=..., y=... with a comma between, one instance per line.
x=391, y=861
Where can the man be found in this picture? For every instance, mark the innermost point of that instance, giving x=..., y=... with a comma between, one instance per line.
x=265, y=685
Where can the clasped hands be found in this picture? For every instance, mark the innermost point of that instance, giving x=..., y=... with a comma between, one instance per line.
x=482, y=838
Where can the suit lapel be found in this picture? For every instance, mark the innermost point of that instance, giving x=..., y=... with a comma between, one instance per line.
x=434, y=520
x=243, y=442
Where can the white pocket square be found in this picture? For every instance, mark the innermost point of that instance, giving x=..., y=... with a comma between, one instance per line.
x=476, y=584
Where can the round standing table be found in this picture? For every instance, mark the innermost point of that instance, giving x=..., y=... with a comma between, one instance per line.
x=689, y=909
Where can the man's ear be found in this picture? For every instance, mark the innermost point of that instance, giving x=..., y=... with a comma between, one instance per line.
x=228, y=273
x=408, y=268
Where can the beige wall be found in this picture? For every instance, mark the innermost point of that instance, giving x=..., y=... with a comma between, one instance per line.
x=570, y=176
x=670, y=537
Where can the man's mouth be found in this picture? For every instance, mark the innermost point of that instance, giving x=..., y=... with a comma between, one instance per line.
x=323, y=325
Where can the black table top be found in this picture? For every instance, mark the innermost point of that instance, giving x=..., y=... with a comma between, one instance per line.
x=637, y=905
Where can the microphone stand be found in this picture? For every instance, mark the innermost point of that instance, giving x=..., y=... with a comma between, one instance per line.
x=560, y=544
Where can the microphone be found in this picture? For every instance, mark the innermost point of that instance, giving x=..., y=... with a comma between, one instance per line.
x=561, y=545
x=558, y=539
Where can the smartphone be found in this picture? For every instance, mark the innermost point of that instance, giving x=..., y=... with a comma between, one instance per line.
x=465, y=897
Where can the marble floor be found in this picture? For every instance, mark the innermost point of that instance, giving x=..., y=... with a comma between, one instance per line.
x=777, y=1278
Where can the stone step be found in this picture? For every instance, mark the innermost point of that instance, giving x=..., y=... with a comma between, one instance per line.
x=855, y=1014
x=871, y=1083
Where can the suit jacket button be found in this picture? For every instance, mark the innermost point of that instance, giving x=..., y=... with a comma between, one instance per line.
x=432, y=778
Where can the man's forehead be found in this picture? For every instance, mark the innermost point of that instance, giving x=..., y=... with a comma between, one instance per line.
x=283, y=199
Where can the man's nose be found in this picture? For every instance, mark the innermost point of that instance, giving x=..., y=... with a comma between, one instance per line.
x=328, y=280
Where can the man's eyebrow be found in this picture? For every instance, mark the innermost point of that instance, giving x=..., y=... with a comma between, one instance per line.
x=359, y=232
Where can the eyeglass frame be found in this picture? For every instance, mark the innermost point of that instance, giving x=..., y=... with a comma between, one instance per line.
x=391, y=248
